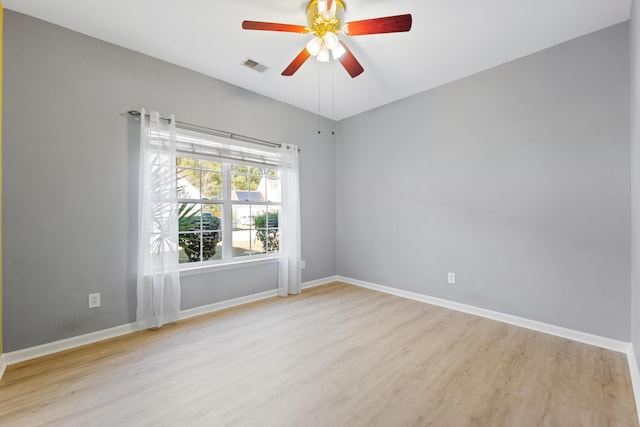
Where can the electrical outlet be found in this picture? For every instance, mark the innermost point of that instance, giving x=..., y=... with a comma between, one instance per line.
x=94, y=300
x=303, y=264
x=451, y=278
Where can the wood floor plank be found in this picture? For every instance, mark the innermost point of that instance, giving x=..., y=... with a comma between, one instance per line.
x=337, y=355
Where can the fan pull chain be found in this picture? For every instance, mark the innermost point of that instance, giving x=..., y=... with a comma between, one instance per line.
x=333, y=99
x=319, y=103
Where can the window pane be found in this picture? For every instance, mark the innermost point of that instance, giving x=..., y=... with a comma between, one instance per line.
x=211, y=246
x=213, y=210
x=212, y=221
x=188, y=217
x=242, y=225
x=257, y=246
x=267, y=235
x=258, y=233
x=240, y=182
x=200, y=228
x=254, y=182
x=272, y=217
x=189, y=227
x=211, y=165
x=239, y=169
x=241, y=244
x=273, y=193
x=273, y=240
x=241, y=217
x=189, y=247
x=212, y=185
x=187, y=162
x=188, y=183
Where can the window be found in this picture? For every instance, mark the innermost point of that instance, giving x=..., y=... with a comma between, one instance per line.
x=228, y=209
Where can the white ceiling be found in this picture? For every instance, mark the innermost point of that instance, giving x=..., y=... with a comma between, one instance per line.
x=450, y=39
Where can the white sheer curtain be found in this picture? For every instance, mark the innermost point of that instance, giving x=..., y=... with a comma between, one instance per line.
x=158, y=277
x=290, y=274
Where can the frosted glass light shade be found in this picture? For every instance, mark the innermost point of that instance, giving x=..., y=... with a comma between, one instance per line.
x=314, y=45
x=338, y=51
x=331, y=40
x=323, y=55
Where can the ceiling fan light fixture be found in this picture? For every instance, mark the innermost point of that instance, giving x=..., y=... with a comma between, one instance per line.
x=323, y=55
x=338, y=51
x=331, y=40
x=314, y=45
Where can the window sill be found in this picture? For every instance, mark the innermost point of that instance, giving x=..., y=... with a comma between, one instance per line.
x=210, y=268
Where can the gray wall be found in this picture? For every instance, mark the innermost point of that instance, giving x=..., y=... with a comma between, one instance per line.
x=635, y=174
x=517, y=179
x=70, y=169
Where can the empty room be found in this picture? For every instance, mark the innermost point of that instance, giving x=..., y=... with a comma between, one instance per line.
x=320, y=213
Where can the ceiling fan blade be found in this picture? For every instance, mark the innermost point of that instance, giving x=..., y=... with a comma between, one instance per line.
x=350, y=63
x=388, y=24
x=272, y=26
x=296, y=63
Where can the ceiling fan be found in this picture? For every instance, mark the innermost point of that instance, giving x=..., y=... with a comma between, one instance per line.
x=325, y=20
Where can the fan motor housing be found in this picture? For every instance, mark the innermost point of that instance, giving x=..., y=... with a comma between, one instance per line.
x=319, y=25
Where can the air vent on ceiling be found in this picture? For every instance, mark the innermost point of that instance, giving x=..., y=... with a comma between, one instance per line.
x=254, y=65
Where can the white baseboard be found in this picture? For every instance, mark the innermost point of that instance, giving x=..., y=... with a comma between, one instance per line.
x=319, y=282
x=635, y=376
x=217, y=306
x=23, y=355
x=210, y=308
x=583, y=337
x=3, y=365
x=67, y=344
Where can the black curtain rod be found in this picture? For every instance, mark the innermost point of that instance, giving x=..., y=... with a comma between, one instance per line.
x=214, y=132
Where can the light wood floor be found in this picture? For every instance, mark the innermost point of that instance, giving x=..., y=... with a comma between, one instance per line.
x=336, y=355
